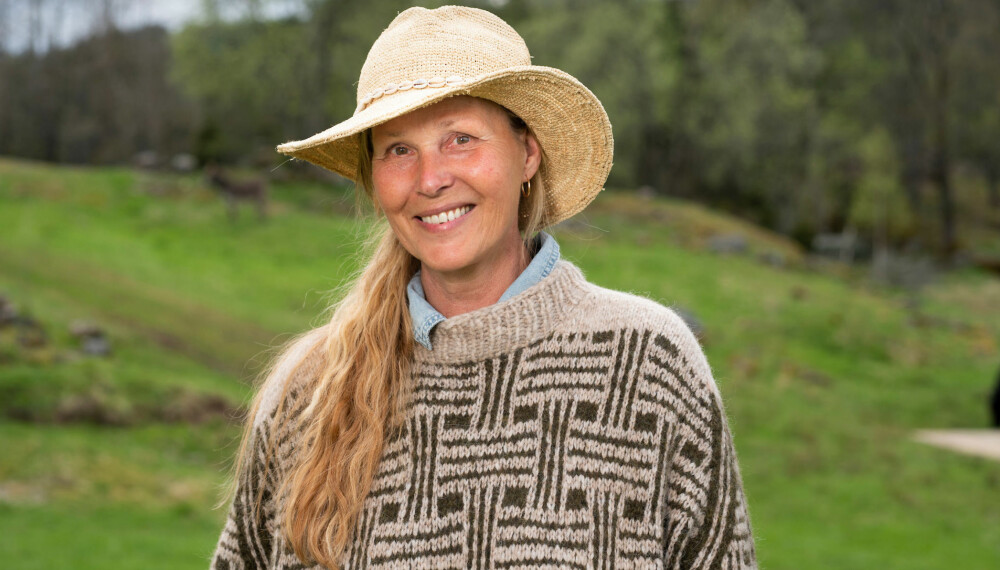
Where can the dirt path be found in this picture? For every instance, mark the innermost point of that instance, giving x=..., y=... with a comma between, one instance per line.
x=978, y=442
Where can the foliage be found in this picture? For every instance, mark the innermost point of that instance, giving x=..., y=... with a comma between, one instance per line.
x=100, y=101
x=879, y=208
x=759, y=107
x=754, y=125
x=624, y=62
x=245, y=76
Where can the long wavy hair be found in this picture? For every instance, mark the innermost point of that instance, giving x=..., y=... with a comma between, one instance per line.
x=359, y=396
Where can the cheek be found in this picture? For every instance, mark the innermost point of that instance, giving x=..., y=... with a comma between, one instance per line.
x=495, y=173
x=388, y=190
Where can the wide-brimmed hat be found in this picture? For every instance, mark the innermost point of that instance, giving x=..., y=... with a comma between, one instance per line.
x=425, y=56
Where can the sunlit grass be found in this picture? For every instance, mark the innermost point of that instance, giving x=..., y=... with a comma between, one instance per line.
x=823, y=378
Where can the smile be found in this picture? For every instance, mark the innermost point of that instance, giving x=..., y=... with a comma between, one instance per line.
x=448, y=216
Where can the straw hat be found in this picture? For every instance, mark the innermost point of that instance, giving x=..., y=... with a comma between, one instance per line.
x=425, y=56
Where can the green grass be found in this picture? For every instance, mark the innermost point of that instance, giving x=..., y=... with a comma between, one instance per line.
x=824, y=375
x=93, y=497
x=102, y=537
x=824, y=382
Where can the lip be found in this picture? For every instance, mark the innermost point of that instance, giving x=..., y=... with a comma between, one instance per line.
x=445, y=226
x=444, y=208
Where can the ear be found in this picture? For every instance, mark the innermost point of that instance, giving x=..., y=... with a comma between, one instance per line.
x=533, y=156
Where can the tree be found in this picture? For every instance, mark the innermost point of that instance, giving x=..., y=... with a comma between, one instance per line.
x=753, y=109
x=879, y=207
x=977, y=94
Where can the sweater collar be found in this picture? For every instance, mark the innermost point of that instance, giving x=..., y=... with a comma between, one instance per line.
x=510, y=324
x=425, y=317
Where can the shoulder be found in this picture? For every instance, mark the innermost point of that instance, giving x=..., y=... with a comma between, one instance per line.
x=661, y=336
x=289, y=380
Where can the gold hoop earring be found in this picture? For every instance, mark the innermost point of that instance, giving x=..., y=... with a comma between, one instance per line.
x=527, y=192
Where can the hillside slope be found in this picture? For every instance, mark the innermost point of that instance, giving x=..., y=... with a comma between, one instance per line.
x=824, y=379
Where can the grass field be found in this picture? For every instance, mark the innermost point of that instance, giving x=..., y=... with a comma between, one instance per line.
x=825, y=375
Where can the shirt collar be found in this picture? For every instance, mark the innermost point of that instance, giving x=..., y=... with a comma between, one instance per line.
x=425, y=317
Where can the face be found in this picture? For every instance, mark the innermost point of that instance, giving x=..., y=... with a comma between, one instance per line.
x=448, y=178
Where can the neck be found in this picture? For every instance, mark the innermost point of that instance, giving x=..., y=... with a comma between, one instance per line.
x=459, y=292
x=522, y=320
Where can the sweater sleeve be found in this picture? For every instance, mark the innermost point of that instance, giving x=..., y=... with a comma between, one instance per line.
x=248, y=535
x=248, y=539
x=707, y=525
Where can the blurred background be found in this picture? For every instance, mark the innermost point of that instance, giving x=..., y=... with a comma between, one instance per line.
x=815, y=186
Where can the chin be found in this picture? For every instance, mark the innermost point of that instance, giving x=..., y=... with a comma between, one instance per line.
x=446, y=262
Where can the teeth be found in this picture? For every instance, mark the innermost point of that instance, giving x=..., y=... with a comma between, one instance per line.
x=447, y=216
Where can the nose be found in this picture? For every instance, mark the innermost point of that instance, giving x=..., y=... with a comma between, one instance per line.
x=435, y=173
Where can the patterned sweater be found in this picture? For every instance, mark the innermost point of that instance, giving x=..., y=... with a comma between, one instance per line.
x=569, y=427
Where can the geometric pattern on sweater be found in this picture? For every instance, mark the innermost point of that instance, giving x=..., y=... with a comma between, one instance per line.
x=601, y=443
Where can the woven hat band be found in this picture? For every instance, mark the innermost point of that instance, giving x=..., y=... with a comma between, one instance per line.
x=430, y=49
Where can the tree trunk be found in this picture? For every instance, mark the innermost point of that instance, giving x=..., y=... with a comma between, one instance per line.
x=940, y=172
x=674, y=166
x=914, y=169
x=940, y=169
x=993, y=186
x=323, y=22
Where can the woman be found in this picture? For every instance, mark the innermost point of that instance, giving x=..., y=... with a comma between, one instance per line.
x=474, y=402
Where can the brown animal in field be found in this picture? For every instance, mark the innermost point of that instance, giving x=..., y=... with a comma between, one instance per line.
x=235, y=191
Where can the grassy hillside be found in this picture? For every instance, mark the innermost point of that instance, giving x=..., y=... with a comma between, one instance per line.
x=116, y=462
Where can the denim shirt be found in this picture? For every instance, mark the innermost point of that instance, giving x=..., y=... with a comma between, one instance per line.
x=425, y=317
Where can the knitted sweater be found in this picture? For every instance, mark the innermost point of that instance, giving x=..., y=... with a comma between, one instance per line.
x=569, y=427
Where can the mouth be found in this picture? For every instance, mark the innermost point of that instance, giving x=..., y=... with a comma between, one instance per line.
x=446, y=216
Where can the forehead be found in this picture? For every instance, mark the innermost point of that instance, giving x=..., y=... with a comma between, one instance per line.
x=443, y=114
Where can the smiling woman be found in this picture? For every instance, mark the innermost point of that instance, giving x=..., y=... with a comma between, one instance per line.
x=447, y=178
x=475, y=402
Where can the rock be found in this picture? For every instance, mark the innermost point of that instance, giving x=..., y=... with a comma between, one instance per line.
x=18, y=493
x=91, y=409
x=909, y=272
x=183, y=162
x=691, y=321
x=20, y=332
x=30, y=333
x=146, y=159
x=8, y=312
x=773, y=258
x=93, y=341
x=646, y=192
x=843, y=246
x=95, y=346
x=195, y=408
x=727, y=243
x=82, y=328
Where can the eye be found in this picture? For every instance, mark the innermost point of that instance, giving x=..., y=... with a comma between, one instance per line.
x=399, y=150
x=463, y=139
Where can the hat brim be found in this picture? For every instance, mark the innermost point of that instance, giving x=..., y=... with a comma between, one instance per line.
x=567, y=119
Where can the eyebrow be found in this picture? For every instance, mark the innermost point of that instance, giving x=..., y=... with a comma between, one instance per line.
x=443, y=124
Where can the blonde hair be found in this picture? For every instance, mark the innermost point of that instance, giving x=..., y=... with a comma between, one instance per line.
x=359, y=396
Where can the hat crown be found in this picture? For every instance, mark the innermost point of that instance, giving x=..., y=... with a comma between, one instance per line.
x=437, y=45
